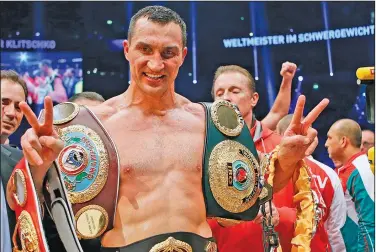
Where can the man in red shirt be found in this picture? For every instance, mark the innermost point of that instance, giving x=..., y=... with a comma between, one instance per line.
x=328, y=236
x=236, y=84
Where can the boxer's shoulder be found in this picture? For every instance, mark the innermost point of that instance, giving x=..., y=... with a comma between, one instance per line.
x=104, y=110
x=196, y=109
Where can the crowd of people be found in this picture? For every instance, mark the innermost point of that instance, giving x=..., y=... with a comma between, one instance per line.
x=160, y=192
x=48, y=79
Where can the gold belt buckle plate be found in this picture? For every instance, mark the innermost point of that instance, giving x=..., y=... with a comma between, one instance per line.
x=171, y=245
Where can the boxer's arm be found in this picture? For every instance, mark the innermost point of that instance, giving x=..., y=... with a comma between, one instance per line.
x=298, y=140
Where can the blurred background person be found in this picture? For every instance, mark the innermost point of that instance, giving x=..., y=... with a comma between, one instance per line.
x=343, y=144
x=368, y=140
x=87, y=98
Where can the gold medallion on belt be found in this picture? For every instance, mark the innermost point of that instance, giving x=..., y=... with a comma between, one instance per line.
x=227, y=118
x=28, y=234
x=234, y=176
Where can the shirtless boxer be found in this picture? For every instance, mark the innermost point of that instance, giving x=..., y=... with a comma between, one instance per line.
x=160, y=138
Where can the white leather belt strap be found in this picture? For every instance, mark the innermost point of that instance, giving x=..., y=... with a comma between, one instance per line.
x=60, y=209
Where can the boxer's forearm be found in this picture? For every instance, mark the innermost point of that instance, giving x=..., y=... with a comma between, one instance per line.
x=38, y=174
x=282, y=176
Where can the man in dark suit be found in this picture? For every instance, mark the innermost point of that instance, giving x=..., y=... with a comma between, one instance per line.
x=9, y=158
x=13, y=91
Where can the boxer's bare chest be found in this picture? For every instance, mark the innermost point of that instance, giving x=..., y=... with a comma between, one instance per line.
x=151, y=145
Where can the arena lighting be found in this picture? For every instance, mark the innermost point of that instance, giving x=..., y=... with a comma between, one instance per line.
x=37, y=34
x=109, y=22
x=300, y=78
x=189, y=74
x=88, y=72
x=193, y=13
x=291, y=30
x=324, y=7
x=77, y=60
x=17, y=33
x=253, y=26
x=315, y=86
x=95, y=70
x=62, y=60
x=23, y=57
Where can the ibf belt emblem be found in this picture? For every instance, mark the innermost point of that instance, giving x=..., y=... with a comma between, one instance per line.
x=234, y=176
x=239, y=175
x=83, y=162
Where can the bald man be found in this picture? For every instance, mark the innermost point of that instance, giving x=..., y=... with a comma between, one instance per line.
x=368, y=140
x=343, y=144
x=87, y=98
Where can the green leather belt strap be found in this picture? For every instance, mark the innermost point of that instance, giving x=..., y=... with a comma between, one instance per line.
x=231, y=174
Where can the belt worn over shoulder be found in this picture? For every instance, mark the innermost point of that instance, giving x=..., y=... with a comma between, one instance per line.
x=178, y=241
x=231, y=179
x=81, y=189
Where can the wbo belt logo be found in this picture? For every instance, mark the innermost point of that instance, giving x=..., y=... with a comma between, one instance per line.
x=79, y=162
x=74, y=159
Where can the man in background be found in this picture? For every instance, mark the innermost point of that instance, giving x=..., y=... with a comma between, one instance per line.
x=344, y=144
x=87, y=98
x=327, y=181
x=236, y=85
x=13, y=91
x=368, y=140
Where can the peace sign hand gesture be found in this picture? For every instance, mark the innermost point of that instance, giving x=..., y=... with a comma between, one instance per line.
x=297, y=142
x=40, y=144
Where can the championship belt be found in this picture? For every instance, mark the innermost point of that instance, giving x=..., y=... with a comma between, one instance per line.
x=231, y=179
x=82, y=186
x=29, y=212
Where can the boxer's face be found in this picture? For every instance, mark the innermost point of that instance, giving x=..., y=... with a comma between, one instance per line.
x=234, y=87
x=11, y=115
x=155, y=54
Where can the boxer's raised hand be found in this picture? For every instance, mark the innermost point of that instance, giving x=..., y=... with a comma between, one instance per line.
x=298, y=140
x=40, y=144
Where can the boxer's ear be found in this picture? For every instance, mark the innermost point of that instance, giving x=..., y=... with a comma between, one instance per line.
x=126, y=48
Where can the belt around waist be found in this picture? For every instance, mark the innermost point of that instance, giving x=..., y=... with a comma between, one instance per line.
x=177, y=241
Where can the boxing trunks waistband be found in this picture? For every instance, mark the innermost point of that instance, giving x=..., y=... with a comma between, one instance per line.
x=178, y=241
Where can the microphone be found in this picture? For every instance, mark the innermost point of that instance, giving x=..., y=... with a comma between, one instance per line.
x=365, y=75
